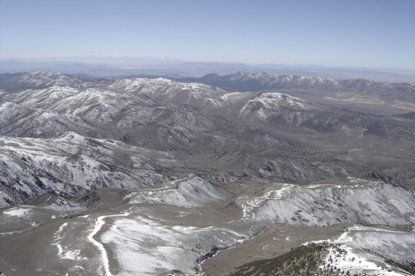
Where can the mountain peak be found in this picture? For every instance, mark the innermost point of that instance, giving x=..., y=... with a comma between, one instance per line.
x=46, y=79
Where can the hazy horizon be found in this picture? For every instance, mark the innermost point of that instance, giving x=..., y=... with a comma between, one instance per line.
x=118, y=60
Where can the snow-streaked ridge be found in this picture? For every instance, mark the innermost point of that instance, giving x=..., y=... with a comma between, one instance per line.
x=188, y=193
x=322, y=205
x=73, y=164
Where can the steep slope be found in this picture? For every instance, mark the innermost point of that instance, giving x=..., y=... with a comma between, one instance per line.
x=72, y=164
x=323, y=258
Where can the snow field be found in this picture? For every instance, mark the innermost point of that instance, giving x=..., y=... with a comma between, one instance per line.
x=18, y=212
x=145, y=247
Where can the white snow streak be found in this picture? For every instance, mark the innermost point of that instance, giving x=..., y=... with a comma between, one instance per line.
x=99, y=222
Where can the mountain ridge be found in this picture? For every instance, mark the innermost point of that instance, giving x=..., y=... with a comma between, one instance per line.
x=255, y=134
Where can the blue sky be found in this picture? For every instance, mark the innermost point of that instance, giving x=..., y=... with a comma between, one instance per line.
x=369, y=33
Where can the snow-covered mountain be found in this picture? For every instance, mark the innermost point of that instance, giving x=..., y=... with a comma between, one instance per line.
x=72, y=164
x=400, y=95
x=248, y=134
x=242, y=81
x=171, y=173
x=324, y=205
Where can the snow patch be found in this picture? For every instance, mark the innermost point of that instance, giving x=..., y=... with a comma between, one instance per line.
x=18, y=212
x=345, y=258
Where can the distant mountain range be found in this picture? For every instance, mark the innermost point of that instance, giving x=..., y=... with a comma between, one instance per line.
x=242, y=81
x=110, y=67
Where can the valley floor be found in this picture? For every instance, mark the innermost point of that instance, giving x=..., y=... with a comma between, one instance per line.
x=114, y=237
